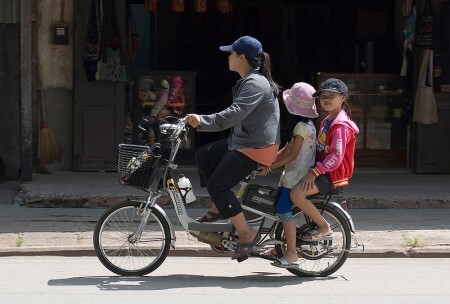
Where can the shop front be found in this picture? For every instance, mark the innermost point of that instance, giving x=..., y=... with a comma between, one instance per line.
x=185, y=36
x=174, y=67
x=397, y=64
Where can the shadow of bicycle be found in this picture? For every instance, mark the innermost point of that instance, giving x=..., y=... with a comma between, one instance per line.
x=177, y=281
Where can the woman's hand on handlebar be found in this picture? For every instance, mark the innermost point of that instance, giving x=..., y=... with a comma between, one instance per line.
x=193, y=120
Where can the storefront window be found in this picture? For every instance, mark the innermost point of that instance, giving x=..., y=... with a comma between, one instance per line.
x=379, y=107
x=155, y=97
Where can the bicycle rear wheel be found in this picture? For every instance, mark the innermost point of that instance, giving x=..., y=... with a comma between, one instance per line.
x=322, y=258
x=120, y=250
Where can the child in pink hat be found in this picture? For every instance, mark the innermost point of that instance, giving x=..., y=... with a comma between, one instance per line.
x=297, y=157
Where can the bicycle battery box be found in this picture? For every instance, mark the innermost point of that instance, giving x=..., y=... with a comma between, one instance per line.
x=262, y=198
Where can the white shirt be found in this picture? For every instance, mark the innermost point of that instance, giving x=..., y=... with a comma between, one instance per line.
x=305, y=159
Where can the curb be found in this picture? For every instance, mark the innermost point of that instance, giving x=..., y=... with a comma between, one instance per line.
x=384, y=203
x=205, y=202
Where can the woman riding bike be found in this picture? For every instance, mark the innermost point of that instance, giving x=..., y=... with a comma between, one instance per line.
x=254, y=118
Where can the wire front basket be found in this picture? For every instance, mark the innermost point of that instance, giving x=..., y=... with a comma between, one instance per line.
x=137, y=166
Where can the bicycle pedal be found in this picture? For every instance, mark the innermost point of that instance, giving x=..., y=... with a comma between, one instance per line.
x=300, y=243
x=259, y=250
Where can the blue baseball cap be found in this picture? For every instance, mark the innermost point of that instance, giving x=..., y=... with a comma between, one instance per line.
x=332, y=85
x=247, y=45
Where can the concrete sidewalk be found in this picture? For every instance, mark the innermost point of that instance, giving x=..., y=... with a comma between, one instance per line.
x=396, y=213
x=68, y=232
x=369, y=188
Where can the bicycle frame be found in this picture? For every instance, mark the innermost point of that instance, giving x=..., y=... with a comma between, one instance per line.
x=168, y=185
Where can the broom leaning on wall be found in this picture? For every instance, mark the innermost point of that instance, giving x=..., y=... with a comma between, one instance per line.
x=40, y=167
x=49, y=148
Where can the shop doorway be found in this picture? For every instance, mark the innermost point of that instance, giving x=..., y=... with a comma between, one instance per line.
x=98, y=105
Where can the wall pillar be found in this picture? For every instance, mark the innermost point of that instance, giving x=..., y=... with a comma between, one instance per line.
x=26, y=93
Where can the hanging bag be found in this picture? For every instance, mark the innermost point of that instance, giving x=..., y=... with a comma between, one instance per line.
x=424, y=29
x=425, y=109
x=92, y=44
x=112, y=66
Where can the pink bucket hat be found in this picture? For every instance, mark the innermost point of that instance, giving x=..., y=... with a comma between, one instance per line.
x=299, y=100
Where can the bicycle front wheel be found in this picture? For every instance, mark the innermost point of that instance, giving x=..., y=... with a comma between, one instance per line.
x=126, y=250
x=325, y=257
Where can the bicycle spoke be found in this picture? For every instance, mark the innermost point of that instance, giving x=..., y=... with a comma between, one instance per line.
x=325, y=256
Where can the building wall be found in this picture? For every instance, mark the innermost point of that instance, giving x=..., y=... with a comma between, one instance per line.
x=27, y=26
x=56, y=63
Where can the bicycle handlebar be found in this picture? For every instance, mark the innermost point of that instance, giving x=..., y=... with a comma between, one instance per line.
x=174, y=129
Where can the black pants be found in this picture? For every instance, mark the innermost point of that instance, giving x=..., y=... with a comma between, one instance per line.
x=220, y=171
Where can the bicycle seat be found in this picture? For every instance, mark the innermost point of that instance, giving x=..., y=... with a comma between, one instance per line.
x=336, y=193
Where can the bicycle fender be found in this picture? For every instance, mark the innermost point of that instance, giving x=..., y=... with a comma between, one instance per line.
x=345, y=214
x=172, y=230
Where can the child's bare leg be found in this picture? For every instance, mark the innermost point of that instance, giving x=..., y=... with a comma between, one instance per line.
x=290, y=234
x=298, y=197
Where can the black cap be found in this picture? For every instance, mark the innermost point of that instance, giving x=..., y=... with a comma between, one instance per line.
x=332, y=85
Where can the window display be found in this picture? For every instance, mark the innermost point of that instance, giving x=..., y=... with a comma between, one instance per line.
x=154, y=97
x=382, y=110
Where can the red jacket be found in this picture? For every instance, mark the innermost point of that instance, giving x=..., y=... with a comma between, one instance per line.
x=336, y=149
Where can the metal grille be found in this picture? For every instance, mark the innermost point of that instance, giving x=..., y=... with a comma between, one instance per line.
x=137, y=166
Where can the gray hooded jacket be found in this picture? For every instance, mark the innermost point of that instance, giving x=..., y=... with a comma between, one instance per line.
x=254, y=115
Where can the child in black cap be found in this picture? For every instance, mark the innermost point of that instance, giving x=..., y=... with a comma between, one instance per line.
x=334, y=156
